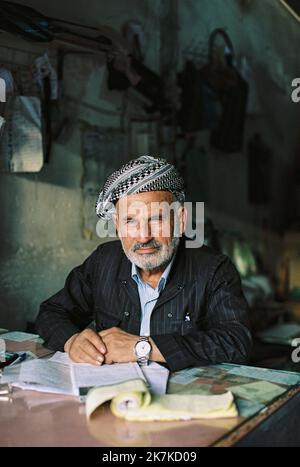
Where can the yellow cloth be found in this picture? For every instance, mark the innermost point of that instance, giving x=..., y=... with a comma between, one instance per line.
x=132, y=401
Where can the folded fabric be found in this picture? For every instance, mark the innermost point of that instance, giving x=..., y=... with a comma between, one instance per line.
x=132, y=401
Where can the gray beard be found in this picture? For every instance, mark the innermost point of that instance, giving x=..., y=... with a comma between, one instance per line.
x=155, y=260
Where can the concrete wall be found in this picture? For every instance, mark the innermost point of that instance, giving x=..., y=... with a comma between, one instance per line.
x=267, y=35
x=41, y=214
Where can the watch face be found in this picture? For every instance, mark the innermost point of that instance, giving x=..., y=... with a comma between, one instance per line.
x=143, y=348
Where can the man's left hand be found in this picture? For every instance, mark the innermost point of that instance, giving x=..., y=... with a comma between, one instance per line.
x=119, y=344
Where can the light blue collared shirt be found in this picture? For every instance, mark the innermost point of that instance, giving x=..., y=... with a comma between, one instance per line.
x=148, y=295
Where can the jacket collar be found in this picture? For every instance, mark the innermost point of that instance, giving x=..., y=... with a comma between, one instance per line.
x=180, y=274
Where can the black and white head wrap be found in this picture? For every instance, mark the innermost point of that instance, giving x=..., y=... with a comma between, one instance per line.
x=145, y=173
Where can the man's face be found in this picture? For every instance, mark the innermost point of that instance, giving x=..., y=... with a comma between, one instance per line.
x=146, y=225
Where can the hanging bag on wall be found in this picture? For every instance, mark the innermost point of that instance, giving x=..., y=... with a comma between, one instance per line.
x=232, y=91
x=198, y=101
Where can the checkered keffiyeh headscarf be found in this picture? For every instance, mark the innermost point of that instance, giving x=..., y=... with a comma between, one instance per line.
x=139, y=175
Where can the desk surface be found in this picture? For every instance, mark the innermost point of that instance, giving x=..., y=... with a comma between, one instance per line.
x=29, y=418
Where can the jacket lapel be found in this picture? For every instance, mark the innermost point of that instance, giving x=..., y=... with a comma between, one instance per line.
x=126, y=282
x=179, y=276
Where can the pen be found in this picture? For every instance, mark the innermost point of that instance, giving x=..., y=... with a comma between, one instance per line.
x=21, y=358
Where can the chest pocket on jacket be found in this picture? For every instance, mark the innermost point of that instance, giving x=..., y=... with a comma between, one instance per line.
x=106, y=319
x=183, y=327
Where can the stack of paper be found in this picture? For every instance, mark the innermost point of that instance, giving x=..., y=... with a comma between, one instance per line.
x=132, y=401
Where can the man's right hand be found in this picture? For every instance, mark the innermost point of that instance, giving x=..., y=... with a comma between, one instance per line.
x=86, y=347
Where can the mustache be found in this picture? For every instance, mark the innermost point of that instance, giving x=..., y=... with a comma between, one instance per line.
x=150, y=244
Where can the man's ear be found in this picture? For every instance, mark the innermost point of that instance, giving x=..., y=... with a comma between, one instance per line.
x=115, y=221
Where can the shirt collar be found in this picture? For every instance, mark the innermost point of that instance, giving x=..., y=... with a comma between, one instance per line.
x=163, y=279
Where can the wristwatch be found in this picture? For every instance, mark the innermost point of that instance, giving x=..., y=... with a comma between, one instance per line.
x=142, y=350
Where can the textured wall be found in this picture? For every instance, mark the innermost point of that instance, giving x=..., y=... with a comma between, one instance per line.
x=41, y=214
x=267, y=35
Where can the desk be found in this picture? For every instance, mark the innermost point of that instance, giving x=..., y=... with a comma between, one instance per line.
x=30, y=418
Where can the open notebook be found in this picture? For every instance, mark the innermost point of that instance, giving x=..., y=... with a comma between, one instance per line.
x=134, y=394
x=61, y=375
x=56, y=377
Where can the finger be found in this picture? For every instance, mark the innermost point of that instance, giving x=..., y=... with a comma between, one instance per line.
x=108, y=361
x=97, y=342
x=105, y=332
x=85, y=358
x=91, y=351
x=81, y=357
x=107, y=339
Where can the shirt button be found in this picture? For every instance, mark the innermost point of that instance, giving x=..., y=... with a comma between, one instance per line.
x=170, y=315
x=126, y=313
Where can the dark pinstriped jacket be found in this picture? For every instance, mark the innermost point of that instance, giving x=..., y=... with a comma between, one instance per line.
x=202, y=283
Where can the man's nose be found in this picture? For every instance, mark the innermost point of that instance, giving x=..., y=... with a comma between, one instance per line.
x=144, y=232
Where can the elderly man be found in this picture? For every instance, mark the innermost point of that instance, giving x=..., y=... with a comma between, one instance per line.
x=151, y=298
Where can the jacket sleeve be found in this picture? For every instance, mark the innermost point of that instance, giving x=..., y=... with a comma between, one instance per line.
x=224, y=336
x=71, y=309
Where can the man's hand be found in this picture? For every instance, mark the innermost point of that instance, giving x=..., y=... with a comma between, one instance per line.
x=86, y=347
x=120, y=345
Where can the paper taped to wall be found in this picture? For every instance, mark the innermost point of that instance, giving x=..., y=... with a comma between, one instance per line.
x=21, y=144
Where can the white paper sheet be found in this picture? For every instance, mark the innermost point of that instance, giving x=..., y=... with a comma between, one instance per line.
x=86, y=375
x=21, y=144
x=157, y=377
x=90, y=375
x=57, y=377
x=40, y=375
